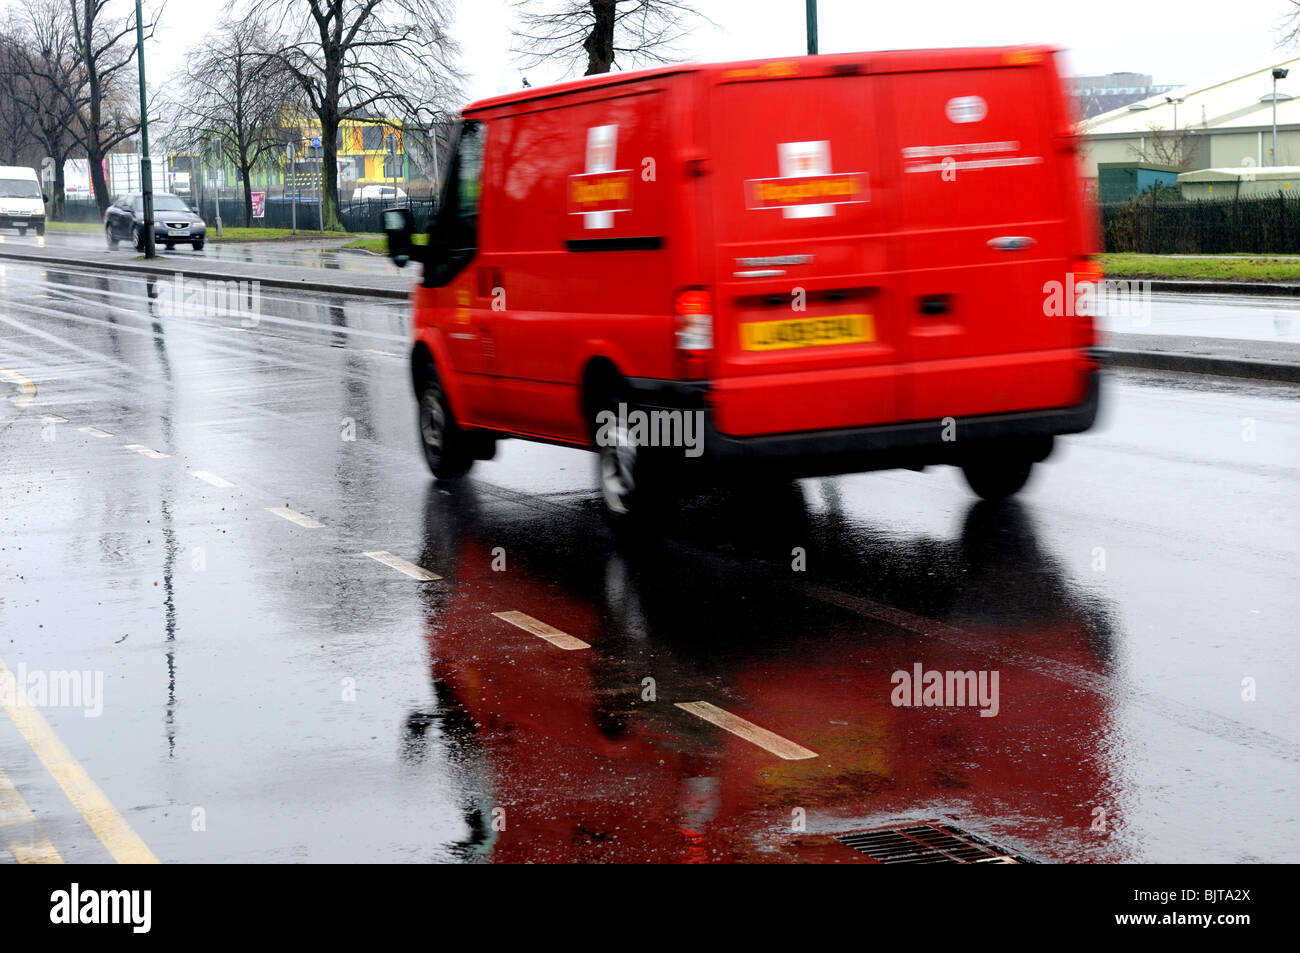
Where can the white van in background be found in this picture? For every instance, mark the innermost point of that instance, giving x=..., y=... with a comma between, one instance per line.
x=22, y=204
x=382, y=192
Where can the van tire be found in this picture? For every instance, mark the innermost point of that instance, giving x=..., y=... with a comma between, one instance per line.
x=22, y=233
x=997, y=478
x=633, y=483
x=448, y=449
x=40, y=230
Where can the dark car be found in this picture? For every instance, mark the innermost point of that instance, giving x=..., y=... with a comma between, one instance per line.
x=174, y=222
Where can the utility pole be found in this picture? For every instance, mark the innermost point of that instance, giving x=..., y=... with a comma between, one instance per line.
x=1278, y=73
x=320, y=190
x=812, y=26
x=389, y=160
x=219, y=156
x=146, y=165
x=290, y=149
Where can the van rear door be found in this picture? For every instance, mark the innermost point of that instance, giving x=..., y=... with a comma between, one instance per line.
x=806, y=324
x=984, y=189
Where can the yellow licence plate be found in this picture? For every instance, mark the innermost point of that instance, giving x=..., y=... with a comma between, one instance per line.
x=807, y=332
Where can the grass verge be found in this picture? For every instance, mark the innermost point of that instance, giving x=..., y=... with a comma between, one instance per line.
x=1205, y=268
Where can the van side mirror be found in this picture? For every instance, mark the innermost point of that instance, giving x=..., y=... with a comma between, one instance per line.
x=45, y=197
x=399, y=229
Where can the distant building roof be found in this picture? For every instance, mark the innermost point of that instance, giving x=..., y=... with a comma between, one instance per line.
x=1248, y=173
x=1234, y=103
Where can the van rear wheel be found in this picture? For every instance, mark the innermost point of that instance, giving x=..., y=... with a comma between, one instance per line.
x=997, y=478
x=633, y=480
x=447, y=447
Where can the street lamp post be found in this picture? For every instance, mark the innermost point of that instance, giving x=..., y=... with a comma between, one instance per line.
x=811, y=6
x=1278, y=73
x=146, y=164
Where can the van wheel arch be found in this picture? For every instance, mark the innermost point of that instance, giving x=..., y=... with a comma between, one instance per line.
x=602, y=385
x=422, y=366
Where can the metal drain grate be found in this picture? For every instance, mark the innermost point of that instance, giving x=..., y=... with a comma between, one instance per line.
x=927, y=844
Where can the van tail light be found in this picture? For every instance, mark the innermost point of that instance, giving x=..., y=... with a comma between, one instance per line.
x=694, y=332
x=1088, y=278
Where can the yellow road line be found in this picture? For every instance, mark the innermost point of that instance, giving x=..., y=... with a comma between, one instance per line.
x=109, y=826
x=27, y=842
x=767, y=740
x=293, y=516
x=402, y=566
x=543, y=631
x=26, y=389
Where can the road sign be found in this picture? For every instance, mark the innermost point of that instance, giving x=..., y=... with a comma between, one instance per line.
x=315, y=142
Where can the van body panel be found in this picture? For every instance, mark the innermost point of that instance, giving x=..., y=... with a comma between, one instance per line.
x=874, y=235
x=803, y=231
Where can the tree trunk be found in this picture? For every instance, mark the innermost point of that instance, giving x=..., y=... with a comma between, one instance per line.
x=599, y=44
x=97, y=181
x=248, y=194
x=329, y=160
x=57, y=211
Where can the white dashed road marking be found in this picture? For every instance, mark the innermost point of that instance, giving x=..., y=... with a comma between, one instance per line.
x=293, y=516
x=95, y=432
x=145, y=451
x=401, y=565
x=768, y=741
x=543, y=631
x=212, y=478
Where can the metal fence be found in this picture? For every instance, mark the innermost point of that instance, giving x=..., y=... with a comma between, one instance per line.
x=354, y=216
x=1162, y=223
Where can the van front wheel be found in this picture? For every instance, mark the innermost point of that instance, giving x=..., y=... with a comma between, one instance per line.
x=447, y=447
x=997, y=479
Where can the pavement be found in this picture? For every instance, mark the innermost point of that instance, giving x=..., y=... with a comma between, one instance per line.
x=293, y=646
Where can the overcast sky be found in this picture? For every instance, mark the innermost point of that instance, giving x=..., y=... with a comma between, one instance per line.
x=1178, y=43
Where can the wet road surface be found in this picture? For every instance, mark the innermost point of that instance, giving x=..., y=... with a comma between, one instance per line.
x=233, y=527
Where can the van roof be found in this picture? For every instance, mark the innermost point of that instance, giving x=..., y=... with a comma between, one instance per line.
x=891, y=61
x=21, y=171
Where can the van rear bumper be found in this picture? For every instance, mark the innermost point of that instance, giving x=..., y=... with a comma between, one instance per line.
x=912, y=444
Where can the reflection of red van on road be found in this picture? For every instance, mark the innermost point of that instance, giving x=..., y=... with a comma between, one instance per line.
x=840, y=262
x=586, y=768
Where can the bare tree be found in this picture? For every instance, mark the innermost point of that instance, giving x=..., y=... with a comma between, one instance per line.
x=1289, y=26
x=600, y=33
x=359, y=59
x=1165, y=147
x=93, y=74
x=235, y=91
x=14, y=133
x=46, y=113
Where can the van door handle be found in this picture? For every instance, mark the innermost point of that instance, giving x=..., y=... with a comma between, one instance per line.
x=1012, y=242
x=935, y=304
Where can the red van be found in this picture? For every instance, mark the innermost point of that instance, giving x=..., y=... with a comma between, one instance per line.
x=812, y=265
